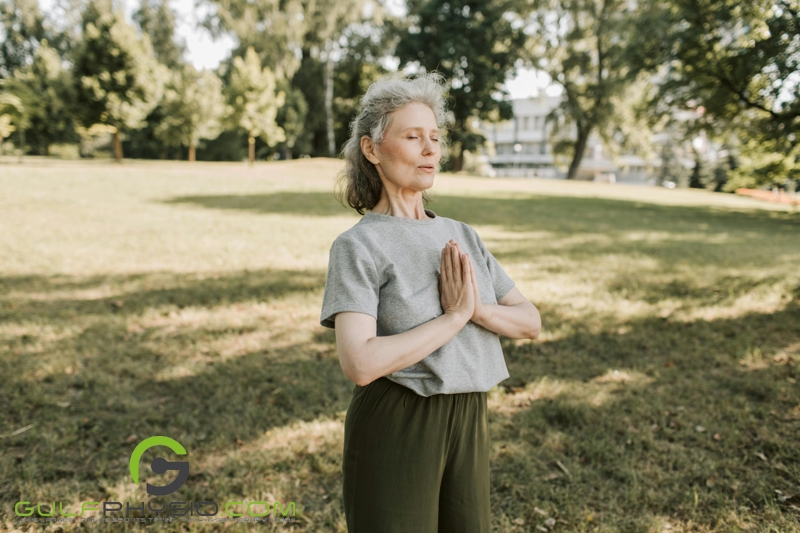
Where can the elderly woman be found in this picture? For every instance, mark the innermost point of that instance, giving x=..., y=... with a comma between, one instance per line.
x=417, y=303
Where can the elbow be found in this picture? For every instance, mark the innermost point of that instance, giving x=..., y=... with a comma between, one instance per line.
x=355, y=371
x=360, y=378
x=536, y=325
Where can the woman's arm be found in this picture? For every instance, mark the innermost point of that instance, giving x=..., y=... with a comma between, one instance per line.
x=513, y=316
x=365, y=357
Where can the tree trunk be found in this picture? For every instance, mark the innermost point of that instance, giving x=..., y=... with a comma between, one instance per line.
x=192, y=152
x=117, y=146
x=251, y=152
x=458, y=160
x=695, y=180
x=329, y=98
x=21, y=144
x=580, y=147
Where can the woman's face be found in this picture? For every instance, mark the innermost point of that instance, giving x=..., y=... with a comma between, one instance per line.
x=409, y=154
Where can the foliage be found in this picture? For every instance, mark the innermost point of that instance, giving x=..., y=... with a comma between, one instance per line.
x=253, y=100
x=49, y=84
x=11, y=106
x=6, y=128
x=193, y=108
x=763, y=159
x=156, y=19
x=737, y=60
x=291, y=118
x=275, y=29
x=357, y=67
x=117, y=80
x=475, y=44
x=580, y=44
x=22, y=27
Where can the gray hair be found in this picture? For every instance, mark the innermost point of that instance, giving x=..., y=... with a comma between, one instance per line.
x=359, y=182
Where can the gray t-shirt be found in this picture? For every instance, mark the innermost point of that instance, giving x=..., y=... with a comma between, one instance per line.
x=388, y=267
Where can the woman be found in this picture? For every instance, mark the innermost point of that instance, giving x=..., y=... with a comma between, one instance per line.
x=417, y=302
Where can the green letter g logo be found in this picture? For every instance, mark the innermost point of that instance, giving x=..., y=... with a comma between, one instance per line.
x=160, y=465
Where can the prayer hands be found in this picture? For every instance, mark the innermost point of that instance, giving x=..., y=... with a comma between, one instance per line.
x=458, y=287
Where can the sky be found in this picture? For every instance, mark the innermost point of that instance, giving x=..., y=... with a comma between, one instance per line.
x=205, y=52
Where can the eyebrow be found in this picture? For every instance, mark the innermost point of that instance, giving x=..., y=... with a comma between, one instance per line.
x=418, y=129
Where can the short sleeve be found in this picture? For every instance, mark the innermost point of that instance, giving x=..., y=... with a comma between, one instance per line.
x=352, y=283
x=500, y=280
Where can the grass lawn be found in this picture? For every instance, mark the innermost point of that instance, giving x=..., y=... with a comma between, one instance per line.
x=167, y=298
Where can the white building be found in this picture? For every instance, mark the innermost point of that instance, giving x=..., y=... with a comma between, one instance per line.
x=520, y=148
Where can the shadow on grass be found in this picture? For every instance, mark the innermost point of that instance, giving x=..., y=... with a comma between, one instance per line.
x=305, y=204
x=134, y=293
x=694, y=235
x=521, y=212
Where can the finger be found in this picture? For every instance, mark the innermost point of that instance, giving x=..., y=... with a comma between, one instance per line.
x=456, y=263
x=474, y=282
x=471, y=270
x=446, y=268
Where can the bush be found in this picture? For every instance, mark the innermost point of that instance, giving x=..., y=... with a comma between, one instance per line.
x=65, y=151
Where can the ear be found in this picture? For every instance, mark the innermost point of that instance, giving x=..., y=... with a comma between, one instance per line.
x=369, y=150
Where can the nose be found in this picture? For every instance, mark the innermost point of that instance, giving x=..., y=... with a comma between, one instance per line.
x=429, y=147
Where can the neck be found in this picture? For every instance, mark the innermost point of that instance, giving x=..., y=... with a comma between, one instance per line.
x=398, y=204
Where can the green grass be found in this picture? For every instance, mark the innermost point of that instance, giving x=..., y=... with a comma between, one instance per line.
x=183, y=300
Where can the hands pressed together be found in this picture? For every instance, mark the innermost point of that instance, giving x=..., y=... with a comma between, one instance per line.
x=458, y=287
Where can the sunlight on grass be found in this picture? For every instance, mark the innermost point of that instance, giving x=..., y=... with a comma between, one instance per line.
x=596, y=392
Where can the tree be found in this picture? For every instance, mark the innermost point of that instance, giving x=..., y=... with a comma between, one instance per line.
x=737, y=60
x=291, y=117
x=23, y=28
x=580, y=44
x=290, y=33
x=117, y=79
x=12, y=116
x=475, y=44
x=327, y=21
x=46, y=84
x=157, y=20
x=361, y=47
x=275, y=29
x=6, y=128
x=193, y=109
x=254, y=103
x=17, y=103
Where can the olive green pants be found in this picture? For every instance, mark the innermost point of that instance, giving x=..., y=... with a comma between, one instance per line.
x=415, y=464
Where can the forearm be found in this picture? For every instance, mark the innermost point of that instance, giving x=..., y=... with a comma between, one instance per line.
x=385, y=355
x=521, y=321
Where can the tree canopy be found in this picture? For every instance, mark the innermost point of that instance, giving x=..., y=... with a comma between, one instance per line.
x=117, y=79
x=476, y=45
